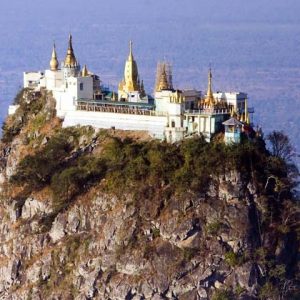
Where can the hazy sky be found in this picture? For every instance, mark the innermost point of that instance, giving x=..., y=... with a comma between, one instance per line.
x=254, y=45
x=150, y=10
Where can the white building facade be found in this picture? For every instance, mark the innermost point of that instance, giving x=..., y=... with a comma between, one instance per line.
x=171, y=116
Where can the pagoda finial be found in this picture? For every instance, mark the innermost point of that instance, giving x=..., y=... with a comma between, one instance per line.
x=163, y=80
x=247, y=119
x=142, y=90
x=54, y=61
x=70, y=60
x=70, y=42
x=131, y=73
x=130, y=50
x=210, y=97
x=84, y=71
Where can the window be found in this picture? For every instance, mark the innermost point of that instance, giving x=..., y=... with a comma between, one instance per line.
x=81, y=86
x=173, y=124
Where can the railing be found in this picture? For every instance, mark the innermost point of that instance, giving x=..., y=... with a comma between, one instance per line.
x=207, y=111
x=117, y=109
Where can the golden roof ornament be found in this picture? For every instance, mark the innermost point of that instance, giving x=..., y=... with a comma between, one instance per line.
x=131, y=73
x=232, y=112
x=70, y=60
x=247, y=118
x=242, y=118
x=210, y=101
x=163, y=81
x=114, y=97
x=130, y=57
x=84, y=72
x=54, y=61
x=143, y=93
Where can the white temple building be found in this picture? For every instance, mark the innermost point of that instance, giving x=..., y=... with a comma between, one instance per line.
x=169, y=115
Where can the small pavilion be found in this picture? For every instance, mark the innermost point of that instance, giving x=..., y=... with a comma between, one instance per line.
x=233, y=130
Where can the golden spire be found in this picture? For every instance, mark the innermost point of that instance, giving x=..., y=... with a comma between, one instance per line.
x=70, y=60
x=242, y=117
x=143, y=93
x=210, y=97
x=130, y=57
x=163, y=80
x=54, y=61
x=113, y=96
x=84, y=72
x=131, y=73
x=247, y=119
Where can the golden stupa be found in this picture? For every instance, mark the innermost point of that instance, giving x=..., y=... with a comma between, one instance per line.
x=54, y=61
x=84, y=72
x=70, y=60
x=209, y=100
x=163, y=80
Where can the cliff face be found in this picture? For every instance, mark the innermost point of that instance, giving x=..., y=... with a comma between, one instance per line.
x=94, y=215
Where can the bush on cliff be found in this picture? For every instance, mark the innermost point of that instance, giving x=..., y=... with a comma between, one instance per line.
x=76, y=179
x=144, y=168
x=36, y=170
x=30, y=105
x=190, y=165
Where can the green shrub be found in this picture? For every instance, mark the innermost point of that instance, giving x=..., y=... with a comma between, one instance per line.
x=239, y=290
x=19, y=97
x=36, y=170
x=155, y=233
x=29, y=107
x=189, y=253
x=222, y=295
x=214, y=227
x=268, y=291
x=9, y=132
x=76, y=179
x=232, y=259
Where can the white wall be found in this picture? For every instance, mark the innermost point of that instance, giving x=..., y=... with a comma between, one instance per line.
x=53, y=79
x=237, y=99
x=32, y=79
x=88, y=89
x=64, y=102
x=154, y=125
x=12, y=109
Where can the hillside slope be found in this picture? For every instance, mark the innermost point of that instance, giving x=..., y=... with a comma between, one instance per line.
x=113, y=215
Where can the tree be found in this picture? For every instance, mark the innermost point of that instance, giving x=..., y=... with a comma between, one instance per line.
x=280, y=145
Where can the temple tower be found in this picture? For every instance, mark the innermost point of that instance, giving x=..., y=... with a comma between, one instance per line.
x=131, y=88
x=54, y=61
x=70, y=66
x=163, y=77
x=209, y=100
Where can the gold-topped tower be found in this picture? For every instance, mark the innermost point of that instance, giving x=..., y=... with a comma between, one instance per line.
x=130, y=87
x=247, y=117
x=163, y=83
x=84, y=72
x=54, y=61
x=131, y=75
x=210, y=101
x=70, y=60
x=163, y=77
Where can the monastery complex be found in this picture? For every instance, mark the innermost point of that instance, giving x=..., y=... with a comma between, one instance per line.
x=170, y=114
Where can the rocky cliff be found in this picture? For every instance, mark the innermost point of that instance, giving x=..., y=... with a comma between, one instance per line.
x=91, y=214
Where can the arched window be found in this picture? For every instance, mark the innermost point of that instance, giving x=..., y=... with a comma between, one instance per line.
x=173, y=124
x=81, y=86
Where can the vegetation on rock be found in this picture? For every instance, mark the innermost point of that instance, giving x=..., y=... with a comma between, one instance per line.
x=185, y=219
